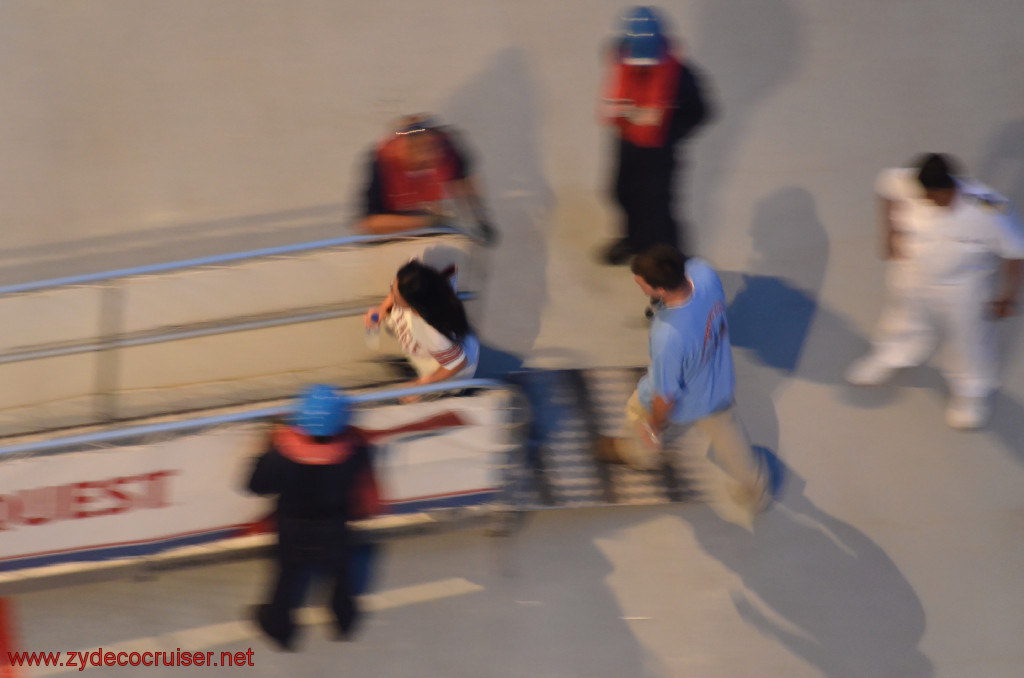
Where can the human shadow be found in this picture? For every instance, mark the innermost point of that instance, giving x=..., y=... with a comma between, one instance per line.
x=777, y=324
x=821, y=588
x=499, y=111
x=775, y=310
x=748, y=51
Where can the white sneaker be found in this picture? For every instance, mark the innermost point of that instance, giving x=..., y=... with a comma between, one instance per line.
x=869, y=371
x=968, y=413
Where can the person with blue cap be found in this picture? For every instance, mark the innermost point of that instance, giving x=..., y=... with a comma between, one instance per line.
x=318, y=464
x=319, y=468
x=653, y=101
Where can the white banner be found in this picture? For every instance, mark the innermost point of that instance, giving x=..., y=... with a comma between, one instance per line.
x=140, y=498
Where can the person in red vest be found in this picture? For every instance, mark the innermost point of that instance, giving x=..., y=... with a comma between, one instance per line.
x=418, y=175
x=653, y=101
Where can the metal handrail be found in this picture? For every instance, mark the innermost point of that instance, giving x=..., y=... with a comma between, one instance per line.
x=197, y=423
x=196, y=330
x=106, y=342
x=89, y=278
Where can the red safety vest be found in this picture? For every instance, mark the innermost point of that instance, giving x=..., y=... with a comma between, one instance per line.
x=406, y=191
x=646, y=87
x=302, y=449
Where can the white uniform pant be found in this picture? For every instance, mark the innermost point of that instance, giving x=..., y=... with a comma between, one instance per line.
x=911, y=323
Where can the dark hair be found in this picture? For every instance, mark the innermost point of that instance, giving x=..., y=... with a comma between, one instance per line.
x=430, y=294
x=661, y=266
x=936, y=171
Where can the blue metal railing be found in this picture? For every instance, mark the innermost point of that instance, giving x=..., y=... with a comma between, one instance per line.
x=104, y=276
x=174, y=427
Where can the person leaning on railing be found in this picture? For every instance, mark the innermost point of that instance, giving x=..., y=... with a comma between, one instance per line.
x=418, y=176
x=427, y=317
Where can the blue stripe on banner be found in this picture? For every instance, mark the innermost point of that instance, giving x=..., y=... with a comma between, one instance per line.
x=113, y=552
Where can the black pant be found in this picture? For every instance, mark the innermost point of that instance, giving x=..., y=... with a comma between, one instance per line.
x=304, y=548
x=644, y=188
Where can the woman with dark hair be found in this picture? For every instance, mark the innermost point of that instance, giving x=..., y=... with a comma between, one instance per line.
x=427, y=317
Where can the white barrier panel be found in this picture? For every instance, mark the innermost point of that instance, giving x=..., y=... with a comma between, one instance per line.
x=125, y=497
x=206, y=371
x=142, y=499
x=442, y=468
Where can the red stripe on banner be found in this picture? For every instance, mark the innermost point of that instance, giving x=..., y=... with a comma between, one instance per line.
x=447, y=419
x=7, y=640
x=149, y=540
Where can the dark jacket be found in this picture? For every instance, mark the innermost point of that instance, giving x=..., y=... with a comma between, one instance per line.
x=320, y=486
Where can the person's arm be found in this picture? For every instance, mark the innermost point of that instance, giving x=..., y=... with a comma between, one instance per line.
x=381, y=312
x=889, y=232
x=440, y=374
x=465, y=188
x=648, y=116
x=382, y=224
x=692, y=107
x=661, y=408
x=894, y=187
x=667, y=372
x=1013, y=275
x=613, y=109
x=1010, y=248
x=450, y=357
x=267, y=473
x=651, y=115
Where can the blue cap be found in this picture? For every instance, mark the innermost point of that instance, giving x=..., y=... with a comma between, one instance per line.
x=643, y=43
x=323, y=410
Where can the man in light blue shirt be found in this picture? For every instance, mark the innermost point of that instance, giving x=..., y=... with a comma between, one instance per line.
x=691, y=380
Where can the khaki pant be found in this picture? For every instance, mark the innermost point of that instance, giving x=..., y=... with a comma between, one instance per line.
x=730, y=447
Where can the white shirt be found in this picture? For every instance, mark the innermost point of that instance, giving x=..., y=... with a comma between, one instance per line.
x=420, y=340
x=961, y=244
